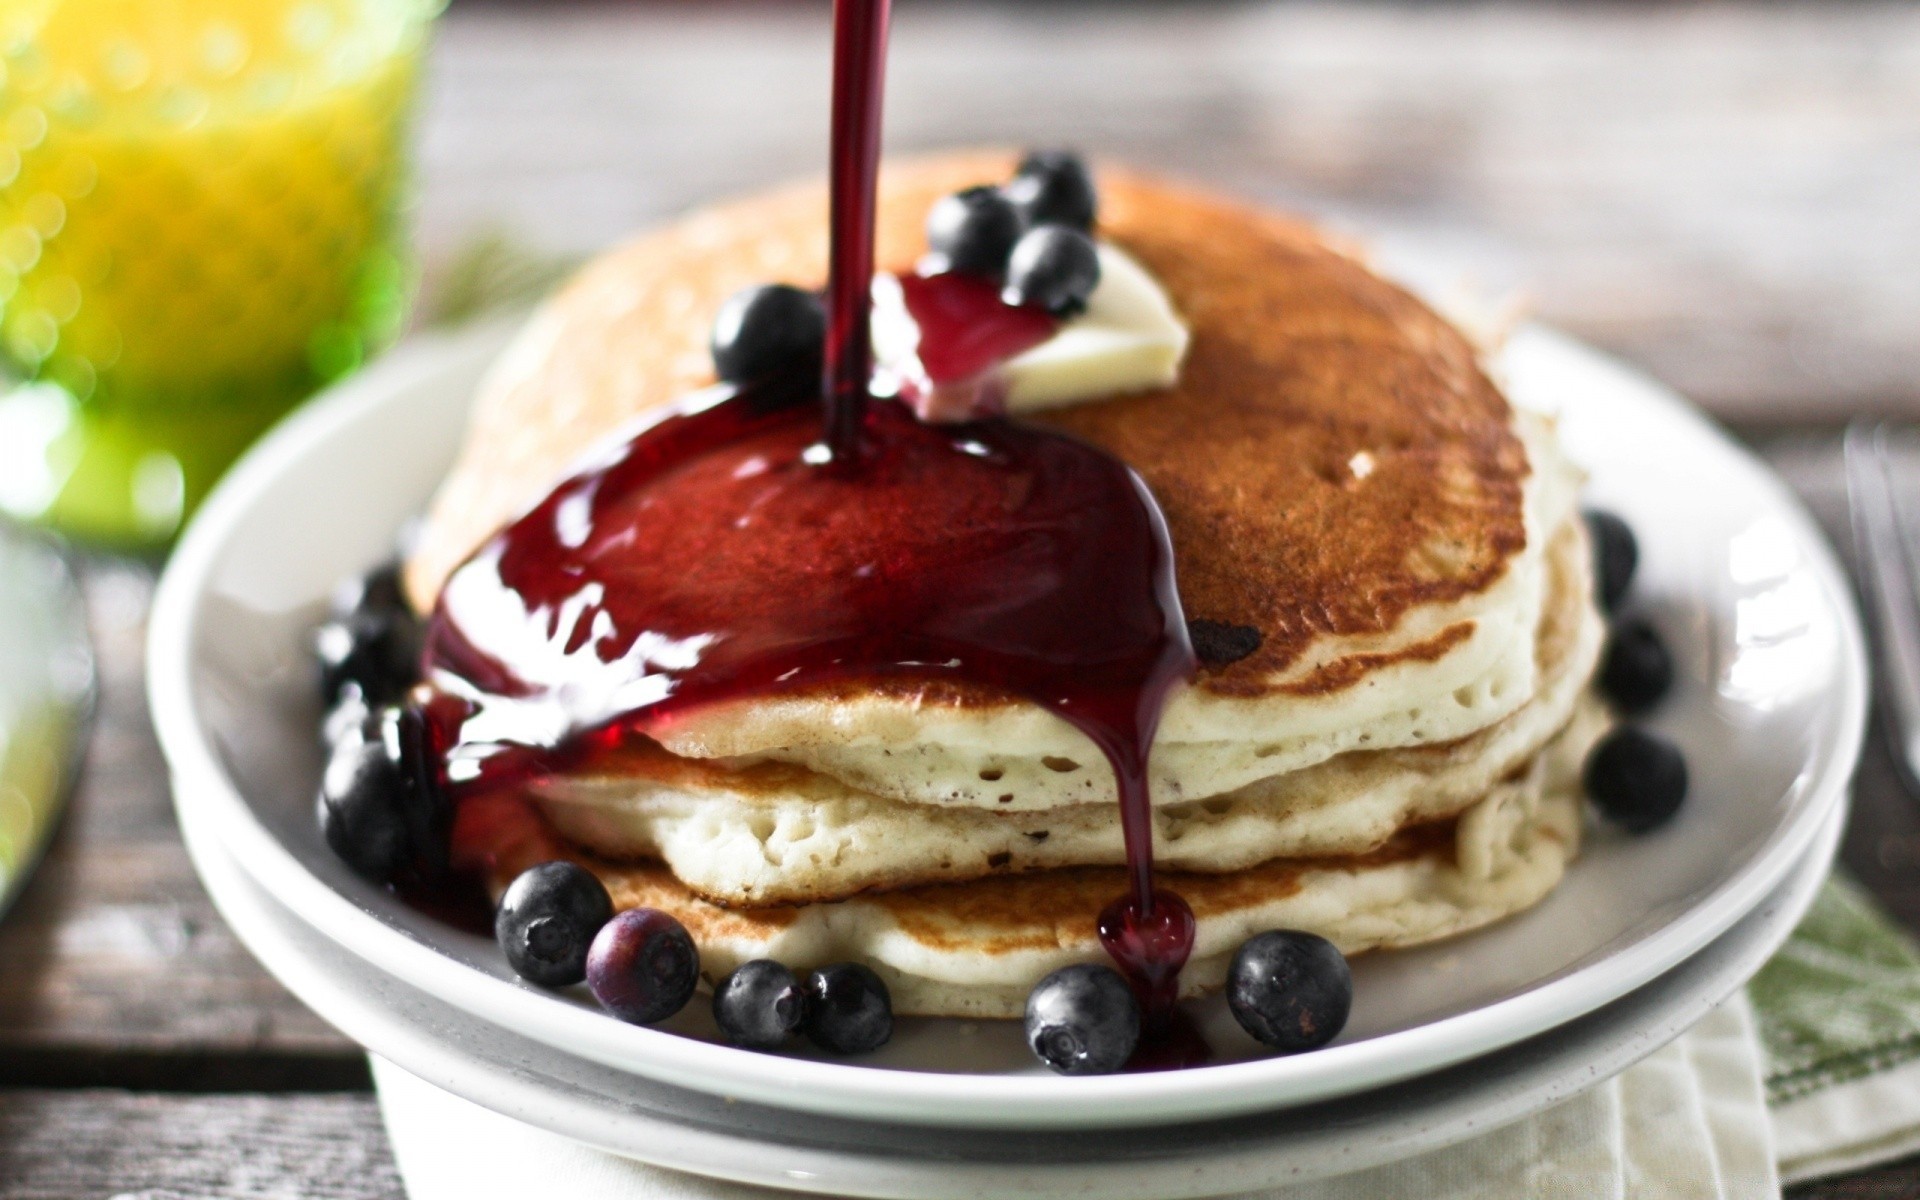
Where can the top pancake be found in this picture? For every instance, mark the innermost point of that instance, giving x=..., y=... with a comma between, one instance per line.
x=1332, y=461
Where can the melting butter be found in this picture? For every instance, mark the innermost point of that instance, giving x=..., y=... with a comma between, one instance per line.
x=1129, y=339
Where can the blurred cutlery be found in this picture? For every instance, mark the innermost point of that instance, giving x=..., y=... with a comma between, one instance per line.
x=1884, y=544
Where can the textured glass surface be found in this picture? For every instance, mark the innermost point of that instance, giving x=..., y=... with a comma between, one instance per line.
x=199, y=224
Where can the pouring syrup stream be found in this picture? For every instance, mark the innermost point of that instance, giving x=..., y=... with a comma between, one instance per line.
x=859, y=83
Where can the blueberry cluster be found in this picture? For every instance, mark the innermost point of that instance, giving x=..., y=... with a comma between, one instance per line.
x=557, y=927
x=1636, y=778
x=379, y=807
x=1034, y=234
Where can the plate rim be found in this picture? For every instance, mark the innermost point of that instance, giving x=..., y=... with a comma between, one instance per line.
x=1309, y=1151
x=928, y=1097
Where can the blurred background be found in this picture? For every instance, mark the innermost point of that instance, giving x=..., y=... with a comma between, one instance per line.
x=209, y=208
x=1726, y=194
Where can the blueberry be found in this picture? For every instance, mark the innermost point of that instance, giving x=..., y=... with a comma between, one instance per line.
x=1054, y=187
x=848, y=1009
x=1636, y=671
x=547, y=922
x=1289, y=989
x=766, y=331
x=372, y=640
x=349, y=712
x=361, y=805
x=974, y=231
x=759, y=1005
x=1637, y=779
x=642, y=966
x=1615, y=555
x=378, y=591
x=1053, y=267
x=375, y=651
x=1083, y=1020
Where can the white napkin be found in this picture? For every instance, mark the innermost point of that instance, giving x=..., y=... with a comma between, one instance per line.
x=1689, y=1122
x=1849, y=1126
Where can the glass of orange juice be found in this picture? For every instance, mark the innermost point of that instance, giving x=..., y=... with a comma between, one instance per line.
x=200, y=223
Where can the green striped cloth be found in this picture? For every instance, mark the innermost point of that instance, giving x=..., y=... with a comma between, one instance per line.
x=1838, y=1015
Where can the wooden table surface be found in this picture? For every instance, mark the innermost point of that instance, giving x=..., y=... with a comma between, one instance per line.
x=1724, y=195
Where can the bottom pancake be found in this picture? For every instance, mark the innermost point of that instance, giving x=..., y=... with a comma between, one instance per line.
x=976, y=949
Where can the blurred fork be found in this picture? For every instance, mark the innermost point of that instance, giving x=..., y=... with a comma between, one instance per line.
x=1884, y=553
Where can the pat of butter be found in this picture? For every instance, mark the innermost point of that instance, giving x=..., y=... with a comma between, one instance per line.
x=1128, y=340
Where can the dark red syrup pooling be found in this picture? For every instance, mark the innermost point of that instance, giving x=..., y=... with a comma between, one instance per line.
x=965, y=328
x=726, y=549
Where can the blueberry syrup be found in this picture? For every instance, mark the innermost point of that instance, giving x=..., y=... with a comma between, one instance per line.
x=1173, y=1043
x=726, y=549
x=458, y=900
x=965, y=328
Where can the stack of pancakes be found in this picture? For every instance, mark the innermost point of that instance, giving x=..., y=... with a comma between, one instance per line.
x=1391, y=591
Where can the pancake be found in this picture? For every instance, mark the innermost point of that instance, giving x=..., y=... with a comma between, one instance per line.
x=975, y=949
x=776, y=833
x=1337, y=474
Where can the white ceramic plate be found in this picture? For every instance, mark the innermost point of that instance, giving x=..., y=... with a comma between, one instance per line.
x=1769, y=709
x=693, y=1131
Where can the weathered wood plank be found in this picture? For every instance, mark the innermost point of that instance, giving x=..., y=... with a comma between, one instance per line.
x=85, y=1145
x=1723, y=193
x=1894, y=1181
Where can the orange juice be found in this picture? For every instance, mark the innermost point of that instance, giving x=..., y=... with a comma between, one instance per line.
x=199, y=224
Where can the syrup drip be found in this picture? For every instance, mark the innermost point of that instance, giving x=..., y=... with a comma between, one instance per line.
x=724, y=550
